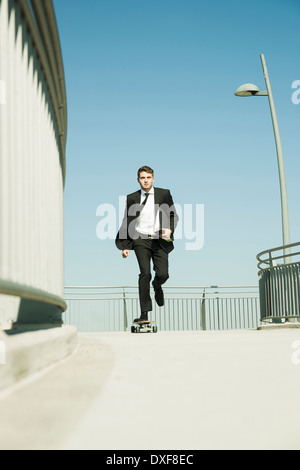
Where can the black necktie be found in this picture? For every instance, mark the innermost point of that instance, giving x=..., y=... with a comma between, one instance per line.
x=143, y=203
x=146, y=199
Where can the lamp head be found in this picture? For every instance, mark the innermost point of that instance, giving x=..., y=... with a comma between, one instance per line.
x=248, y=89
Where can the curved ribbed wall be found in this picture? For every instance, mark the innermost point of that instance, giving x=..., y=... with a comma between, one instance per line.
x=32, y=158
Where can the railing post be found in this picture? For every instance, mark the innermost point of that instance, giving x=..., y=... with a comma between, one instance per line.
x=125, y=310
x=203, y=313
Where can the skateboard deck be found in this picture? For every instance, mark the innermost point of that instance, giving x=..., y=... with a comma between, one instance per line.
x=146, y=326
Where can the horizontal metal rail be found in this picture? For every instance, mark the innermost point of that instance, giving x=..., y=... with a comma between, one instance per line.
x=33, y=306
x=271, y=260
x=279, y=284
x=112, y=308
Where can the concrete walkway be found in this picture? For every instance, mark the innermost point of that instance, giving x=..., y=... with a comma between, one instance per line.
x=165, y=391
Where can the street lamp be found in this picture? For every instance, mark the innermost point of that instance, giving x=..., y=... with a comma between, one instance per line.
x=249, y=89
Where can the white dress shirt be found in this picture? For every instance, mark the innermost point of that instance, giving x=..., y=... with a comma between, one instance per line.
x=147, y=223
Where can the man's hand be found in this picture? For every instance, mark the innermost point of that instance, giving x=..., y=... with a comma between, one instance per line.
x=125, y=253
x=166, y=233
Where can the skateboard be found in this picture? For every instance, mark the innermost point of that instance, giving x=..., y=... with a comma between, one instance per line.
x=144, y=327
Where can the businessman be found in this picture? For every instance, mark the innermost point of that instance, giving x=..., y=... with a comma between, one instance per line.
x=148, y=228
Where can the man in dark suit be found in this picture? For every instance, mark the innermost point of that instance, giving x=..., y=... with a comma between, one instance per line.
x=148, y=228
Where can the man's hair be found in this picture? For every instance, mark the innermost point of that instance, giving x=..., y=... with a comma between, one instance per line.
x=147, y=169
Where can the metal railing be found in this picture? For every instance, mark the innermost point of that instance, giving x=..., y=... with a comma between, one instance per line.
x=33, y=128
x=279, y=284
x=41, y=22
x=99, y=308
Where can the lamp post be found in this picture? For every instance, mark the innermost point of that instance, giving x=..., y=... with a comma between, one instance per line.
x=252, y=90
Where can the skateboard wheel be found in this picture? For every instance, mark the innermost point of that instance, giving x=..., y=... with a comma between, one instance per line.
x=132, y=329
x=154, y=329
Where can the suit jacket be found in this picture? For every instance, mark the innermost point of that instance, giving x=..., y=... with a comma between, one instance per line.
x=168, y=218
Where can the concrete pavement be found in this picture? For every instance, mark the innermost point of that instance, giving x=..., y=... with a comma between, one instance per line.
x=171, y=390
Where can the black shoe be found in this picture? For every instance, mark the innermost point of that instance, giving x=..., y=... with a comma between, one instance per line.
x=143, y=317
x=159, y=296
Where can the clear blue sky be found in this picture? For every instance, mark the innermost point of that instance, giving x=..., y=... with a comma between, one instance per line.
x=152, y=82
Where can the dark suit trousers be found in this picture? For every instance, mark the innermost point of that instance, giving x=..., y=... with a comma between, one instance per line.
x=147, y=250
